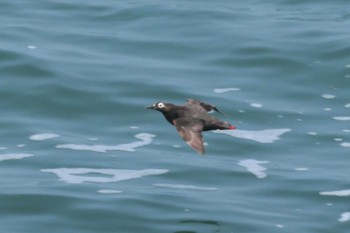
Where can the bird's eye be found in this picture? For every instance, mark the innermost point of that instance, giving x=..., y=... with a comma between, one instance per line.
x=160, y=105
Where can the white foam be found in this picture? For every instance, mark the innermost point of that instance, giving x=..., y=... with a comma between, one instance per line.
x=345, y=144
x=223, y=90
x=342, y=118
x=93, y=139
x=14, y=156
x=3, y=148
x=327, y=109
x=256, y=105
x=20, y=145
x=338, y=139
x=182, y=186
x=312, y=133
x=347, y=66
x=144, y=139
x=81, y=175
x=43, y=136
x=340, y=193
x=253, y=166
x=301, y=169
x=96, y=148
x=262, y=136
x=328, y=96
x=344, y=217
x=31, y=47
x=109, y=191
x=279, y=225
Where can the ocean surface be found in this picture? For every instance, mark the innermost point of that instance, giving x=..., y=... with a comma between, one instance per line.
x=80, y=153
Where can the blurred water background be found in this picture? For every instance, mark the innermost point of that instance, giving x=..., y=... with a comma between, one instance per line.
x=80, y=153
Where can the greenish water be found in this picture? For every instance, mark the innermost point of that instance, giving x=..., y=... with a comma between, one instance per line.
x=80, y=153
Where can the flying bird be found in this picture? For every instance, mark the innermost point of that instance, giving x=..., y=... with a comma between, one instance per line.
x=191, y=119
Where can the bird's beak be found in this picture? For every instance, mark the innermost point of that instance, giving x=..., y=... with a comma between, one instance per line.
x=150, y=107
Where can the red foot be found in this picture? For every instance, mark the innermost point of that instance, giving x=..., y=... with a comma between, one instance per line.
x=232, y=127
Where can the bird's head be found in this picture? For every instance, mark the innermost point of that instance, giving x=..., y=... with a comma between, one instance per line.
x=159, y=106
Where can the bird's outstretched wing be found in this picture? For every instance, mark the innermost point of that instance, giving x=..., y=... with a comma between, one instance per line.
x=192, y=135
x=201, y=106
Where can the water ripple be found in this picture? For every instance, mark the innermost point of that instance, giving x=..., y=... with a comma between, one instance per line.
x=81, y=175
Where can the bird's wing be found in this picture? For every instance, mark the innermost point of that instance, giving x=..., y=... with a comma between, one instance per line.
x=201, y=106
x=192, y=135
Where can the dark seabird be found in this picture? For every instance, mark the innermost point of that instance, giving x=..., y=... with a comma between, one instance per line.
x=191, y=119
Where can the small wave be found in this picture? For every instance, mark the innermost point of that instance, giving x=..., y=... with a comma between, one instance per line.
x=43, y=136
x=262, y=136
x=224, y=90
x=345, y=144
x=81, y=175
x=344, y=217
x=253, y=166
x=109, y=191
x=301, y=169
x=312, y=133
x=14, y=156
x=31, y=46
x=145, y=139
x=256, y=105
x=328, y=96
x=182, y=186
x=340, y=193
x=342, y=118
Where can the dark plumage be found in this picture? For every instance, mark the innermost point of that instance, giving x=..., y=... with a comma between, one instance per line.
x=191, y=119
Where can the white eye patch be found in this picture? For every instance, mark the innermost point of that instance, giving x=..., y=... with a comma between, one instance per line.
x=160, y=105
